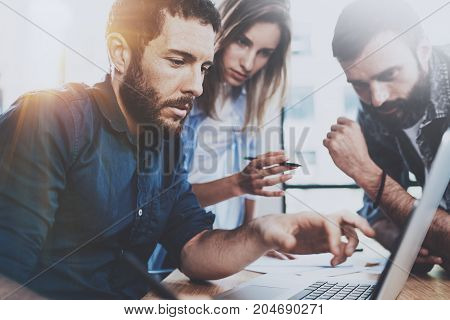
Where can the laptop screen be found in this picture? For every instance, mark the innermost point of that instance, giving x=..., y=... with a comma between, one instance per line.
x=410, y=240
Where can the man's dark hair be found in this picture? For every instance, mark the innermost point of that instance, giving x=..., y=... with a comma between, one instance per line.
x=140, y=21
x=362, y=20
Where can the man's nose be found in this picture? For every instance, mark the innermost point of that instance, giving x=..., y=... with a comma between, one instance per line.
x=194, y=84
x=379, y=94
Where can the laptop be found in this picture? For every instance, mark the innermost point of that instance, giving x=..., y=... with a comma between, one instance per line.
x=395, y=272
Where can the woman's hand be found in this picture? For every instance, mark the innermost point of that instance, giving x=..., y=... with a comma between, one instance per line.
x=254, y=177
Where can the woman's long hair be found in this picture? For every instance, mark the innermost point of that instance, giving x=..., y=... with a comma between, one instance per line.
x=238, y=16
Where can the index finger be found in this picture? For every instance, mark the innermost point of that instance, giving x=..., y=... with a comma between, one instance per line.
x=358, y=222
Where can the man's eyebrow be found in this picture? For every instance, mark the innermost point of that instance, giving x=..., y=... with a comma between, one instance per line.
x=386, y=72
x=382, y=74
x=359, y=82
x=188, y=56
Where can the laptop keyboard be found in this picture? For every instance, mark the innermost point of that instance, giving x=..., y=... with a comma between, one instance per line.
x=321, y=290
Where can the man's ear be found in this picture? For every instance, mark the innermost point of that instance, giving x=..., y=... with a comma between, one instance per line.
x=119, y=52
x=423, y=53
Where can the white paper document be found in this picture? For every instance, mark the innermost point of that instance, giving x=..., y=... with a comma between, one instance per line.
x=313, y=265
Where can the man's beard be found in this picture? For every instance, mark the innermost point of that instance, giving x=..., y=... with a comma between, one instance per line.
x=408, y=111
x=143, y=105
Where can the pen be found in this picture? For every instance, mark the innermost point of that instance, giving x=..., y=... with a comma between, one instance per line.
x=287, y=164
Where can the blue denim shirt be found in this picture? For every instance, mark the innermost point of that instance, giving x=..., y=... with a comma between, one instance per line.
x=391, y=149
x=76, y=191
x=229, y=214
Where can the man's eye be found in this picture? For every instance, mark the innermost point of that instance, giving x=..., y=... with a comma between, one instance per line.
x=388, y=76
x=359, y=85
x=177, y=62
x=360, y=88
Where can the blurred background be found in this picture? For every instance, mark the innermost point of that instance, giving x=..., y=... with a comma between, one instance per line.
x=49, y=42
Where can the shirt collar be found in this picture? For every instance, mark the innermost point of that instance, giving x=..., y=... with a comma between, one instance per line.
x=195, y=111
x=106, y=100
x=439, y=88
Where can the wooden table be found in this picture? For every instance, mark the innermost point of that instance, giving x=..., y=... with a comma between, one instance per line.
x=433, y=286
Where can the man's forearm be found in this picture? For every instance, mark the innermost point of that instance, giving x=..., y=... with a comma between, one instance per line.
x=217, y=254
x=397, y=203
x=216, y=191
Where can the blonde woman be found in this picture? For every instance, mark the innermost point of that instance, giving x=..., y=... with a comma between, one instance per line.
x=249, y=70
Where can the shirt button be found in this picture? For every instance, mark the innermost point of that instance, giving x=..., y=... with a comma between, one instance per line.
x=140, y=212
